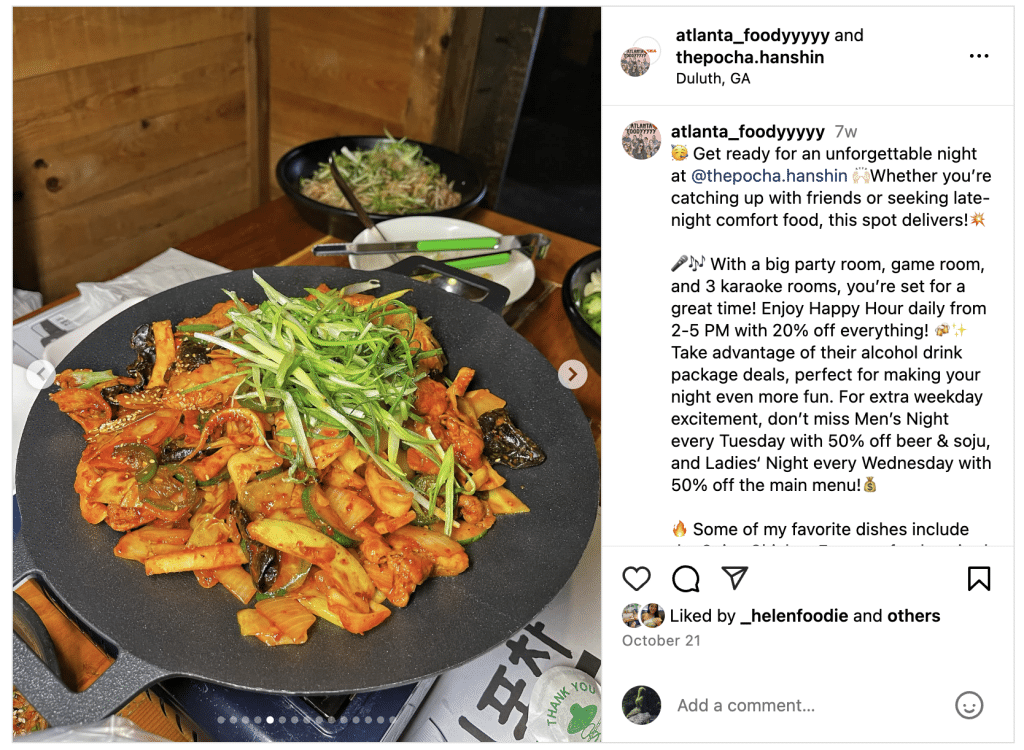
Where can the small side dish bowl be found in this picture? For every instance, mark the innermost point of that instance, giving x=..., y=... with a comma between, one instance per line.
x=302, y=161
x=576, y=278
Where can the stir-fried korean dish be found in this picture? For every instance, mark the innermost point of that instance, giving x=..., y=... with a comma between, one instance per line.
x=394, y=177
x=306, y=453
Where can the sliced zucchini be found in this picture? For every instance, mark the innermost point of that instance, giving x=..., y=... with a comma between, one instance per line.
x=320, y=523
x=467, y=533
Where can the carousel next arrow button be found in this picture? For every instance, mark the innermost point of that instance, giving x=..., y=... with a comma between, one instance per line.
x=572, y=374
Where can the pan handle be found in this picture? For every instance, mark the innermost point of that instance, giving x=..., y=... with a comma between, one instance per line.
x=23, y=565
x=120, y=683
x=30, y=628
x=495, y=297
x=123, y=680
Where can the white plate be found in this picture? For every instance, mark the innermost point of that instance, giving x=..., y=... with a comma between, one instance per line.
x=517, y=275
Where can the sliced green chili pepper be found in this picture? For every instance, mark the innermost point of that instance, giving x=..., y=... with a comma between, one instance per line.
x=139, y=458
x=172, y=489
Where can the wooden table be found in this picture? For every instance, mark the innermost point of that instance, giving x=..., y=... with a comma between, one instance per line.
x=273, y=234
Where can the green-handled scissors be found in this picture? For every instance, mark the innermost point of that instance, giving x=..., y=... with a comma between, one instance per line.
x=531, y=245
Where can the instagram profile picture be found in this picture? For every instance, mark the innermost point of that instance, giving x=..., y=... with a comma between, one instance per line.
x=635, y=62
x=650, y=45
x=631, y=615
x=652, y=615
x=641, y=705
x=641, y=139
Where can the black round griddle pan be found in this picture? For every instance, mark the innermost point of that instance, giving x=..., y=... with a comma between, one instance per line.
x=166, y=625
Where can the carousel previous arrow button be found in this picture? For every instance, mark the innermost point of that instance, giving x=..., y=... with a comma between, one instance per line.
x=40, y=374
x=572, y=374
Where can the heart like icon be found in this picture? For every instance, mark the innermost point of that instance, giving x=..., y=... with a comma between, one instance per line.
x=637, y=578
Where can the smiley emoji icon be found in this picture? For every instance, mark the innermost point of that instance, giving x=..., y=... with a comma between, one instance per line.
x=969, y=705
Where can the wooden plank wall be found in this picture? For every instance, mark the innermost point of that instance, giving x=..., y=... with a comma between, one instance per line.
x=129, y=136
x=137, y=128
x=355, y=71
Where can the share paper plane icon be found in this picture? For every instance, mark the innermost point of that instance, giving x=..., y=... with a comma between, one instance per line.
x=735, y=574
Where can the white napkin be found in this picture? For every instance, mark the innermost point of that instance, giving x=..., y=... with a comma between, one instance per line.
x=169, y=269
x=25, y=302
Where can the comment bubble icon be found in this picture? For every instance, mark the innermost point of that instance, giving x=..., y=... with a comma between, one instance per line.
x=686, y=579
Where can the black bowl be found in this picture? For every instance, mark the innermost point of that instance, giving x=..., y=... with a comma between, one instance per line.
x=572, y=288
x=304, y=160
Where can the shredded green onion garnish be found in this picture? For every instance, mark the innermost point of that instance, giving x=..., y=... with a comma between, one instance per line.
x=334, y=365
x=210, y=382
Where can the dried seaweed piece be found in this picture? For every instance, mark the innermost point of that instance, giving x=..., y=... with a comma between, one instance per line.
x=144, y=344
x=264, y=561
x=504, y=443
x=174, y=451
x=192, y=353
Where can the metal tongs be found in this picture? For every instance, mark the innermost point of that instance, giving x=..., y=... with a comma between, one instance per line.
x=533, y=246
